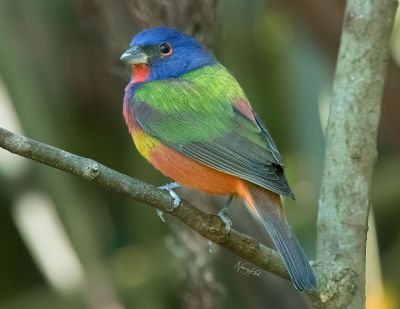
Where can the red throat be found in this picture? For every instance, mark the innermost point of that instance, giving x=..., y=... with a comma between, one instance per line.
x=140, y=72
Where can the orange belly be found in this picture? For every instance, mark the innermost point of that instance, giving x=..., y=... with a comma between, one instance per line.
x=196, y=175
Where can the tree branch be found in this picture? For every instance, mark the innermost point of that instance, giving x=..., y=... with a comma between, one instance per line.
x=351, y=148
x=209, y=226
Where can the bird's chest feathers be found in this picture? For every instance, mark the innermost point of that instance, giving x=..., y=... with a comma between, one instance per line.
x=144, y=142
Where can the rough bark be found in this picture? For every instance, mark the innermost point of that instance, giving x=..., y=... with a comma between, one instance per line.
x=351, y=152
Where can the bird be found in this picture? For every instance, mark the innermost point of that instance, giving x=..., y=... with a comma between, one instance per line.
x=189, y=118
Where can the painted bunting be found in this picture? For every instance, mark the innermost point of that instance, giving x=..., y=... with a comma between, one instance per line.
x=191, y=120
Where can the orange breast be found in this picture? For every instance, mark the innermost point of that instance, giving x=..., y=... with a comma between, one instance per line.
x=196, y=175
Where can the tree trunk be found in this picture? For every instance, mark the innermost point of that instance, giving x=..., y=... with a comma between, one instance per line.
x=351, y=152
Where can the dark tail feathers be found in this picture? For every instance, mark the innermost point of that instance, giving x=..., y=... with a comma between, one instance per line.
x=268, y=206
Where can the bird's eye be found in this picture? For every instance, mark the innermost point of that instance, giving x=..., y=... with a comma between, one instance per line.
x=165, y=49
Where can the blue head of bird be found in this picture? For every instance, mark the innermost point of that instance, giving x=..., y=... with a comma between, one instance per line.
x=166, y=53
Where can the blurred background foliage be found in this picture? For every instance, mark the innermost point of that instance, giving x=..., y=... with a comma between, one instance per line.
x=65, y=243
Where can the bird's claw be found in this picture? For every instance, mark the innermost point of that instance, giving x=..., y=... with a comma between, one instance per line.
x=210, y=246
x=223, y=214
x=160, y=214
x=228, y=223
x=170, y=188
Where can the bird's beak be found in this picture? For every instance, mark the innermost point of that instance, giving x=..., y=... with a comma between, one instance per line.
x=134, y=55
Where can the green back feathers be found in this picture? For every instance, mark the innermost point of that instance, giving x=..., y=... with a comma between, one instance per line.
x=195, y=101
x=204, y=89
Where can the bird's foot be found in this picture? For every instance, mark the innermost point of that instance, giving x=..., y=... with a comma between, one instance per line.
x=223, y=214
x=224, y=218
x=170, y=188
x=160, y=214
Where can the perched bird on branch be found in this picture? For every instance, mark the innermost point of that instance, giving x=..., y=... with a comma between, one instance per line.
x=191, y=120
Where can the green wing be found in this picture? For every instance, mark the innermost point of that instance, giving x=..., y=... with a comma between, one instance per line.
x=205, y=116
